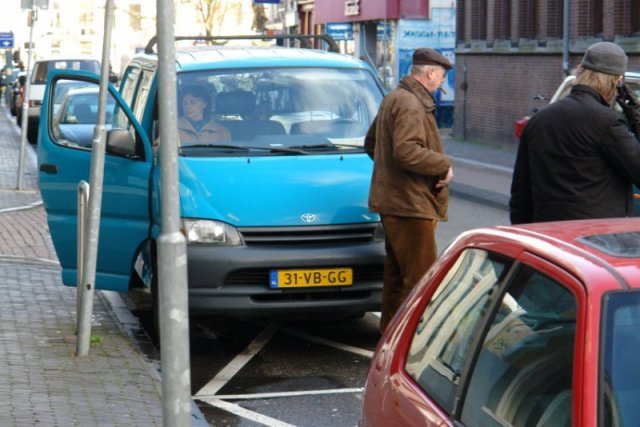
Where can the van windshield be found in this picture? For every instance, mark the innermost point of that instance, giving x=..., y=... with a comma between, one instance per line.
x=313, y=109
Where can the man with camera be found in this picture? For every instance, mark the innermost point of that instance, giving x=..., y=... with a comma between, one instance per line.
x=578, y=157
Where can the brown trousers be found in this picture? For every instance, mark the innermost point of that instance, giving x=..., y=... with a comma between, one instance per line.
x=411, y=249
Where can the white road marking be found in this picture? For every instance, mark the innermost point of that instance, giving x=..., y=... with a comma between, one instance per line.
x=330, y=343
x=208, y=394
x=482, y=165
x=245, y=413
x=233, y=367
x=275, y=395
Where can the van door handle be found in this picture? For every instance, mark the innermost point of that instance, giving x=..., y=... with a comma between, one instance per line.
x=48, y=168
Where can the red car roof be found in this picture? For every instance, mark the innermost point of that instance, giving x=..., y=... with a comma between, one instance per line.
x=586, y=247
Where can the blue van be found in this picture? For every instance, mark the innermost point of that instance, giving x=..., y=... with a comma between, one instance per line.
x=273, y=200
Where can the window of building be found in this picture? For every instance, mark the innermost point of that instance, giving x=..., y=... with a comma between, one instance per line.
x=135, y=17
x=555, y=16
x=502, y=18
x=86, y=22
x=479, y=20
x=596, y=16
x=635, y=17
x=528, y=19
x=460, y=21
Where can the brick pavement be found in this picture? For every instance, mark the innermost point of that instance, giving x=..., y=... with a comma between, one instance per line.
x=41, y=380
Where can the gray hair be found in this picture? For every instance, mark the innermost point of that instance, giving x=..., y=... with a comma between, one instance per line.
x=422, y=68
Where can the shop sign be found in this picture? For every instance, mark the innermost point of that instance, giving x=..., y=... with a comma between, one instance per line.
x=340, y=31
x=351, y=7
x=383, y=31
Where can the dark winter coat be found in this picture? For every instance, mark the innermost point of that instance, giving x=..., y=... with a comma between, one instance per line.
x=576, y=160
x=408, y=155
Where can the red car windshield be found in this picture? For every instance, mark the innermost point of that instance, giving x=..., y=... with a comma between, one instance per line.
x=620, y=378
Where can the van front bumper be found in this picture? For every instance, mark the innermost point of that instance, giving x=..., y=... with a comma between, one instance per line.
x=235, y=280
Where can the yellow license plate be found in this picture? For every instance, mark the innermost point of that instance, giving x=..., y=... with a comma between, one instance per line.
x=280, y=279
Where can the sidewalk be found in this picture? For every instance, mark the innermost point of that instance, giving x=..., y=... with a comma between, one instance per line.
x=481, y=173
x=41, y=380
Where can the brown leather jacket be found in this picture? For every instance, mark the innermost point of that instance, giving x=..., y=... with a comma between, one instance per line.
x=408, y=155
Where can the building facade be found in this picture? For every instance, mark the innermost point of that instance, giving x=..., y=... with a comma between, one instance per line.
x=76, y=28
x=511, y=53
x=383, y=33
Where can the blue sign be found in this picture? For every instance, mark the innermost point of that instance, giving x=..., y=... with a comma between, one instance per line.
x=266, y=1
x=340, y=31
x=6, y=40
x=383, y=31
x=29, y=4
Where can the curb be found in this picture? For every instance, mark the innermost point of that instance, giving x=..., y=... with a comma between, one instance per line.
x=129, y=325
x=478, y=195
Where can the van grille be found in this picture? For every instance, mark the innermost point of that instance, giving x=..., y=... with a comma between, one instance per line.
x=352, y=233
x=313, y=296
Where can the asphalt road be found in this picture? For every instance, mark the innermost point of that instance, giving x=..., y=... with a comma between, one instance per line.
x=300, y=372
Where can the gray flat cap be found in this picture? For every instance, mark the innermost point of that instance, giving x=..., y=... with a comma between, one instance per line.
x=605, y=57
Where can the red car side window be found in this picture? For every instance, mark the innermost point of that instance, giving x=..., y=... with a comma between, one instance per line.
x=442, y=340
x=523, y=373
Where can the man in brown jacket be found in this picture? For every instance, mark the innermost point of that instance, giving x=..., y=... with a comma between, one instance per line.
x=411, y=173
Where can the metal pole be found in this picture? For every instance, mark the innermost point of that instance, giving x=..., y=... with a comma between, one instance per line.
x=81, y=228
x=25, y=98
x=565, y=39
x=172, y=248
x=95, y=195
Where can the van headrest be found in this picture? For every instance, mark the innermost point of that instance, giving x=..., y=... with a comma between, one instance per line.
x=235, y=102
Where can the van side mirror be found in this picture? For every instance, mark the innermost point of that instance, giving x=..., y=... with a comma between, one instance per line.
x=121, y=143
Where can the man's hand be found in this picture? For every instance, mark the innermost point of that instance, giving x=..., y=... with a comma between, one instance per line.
x=446, y=180
x=630, y=107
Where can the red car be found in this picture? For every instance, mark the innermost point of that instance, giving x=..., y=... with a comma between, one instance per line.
x=535, y=325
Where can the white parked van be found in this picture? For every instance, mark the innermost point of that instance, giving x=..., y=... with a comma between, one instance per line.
x=39, y=77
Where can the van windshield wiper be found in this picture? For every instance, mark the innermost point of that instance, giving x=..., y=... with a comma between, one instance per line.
x=327, y=146
x=294, y=150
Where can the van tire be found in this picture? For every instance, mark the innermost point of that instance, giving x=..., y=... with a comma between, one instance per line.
x=154, y=332
x=32, y=134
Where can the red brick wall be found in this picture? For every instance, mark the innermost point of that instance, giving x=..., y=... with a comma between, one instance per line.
x=502, y=81
x=501, y=90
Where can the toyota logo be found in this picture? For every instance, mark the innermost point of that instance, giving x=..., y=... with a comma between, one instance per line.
x=308, y=217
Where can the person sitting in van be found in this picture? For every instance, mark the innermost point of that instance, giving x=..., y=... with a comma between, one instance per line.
x=197, y=125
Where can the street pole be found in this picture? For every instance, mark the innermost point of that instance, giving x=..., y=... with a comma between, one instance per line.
x=172, y=247
x=25, y=98
x=565, y=39
x=95, y=194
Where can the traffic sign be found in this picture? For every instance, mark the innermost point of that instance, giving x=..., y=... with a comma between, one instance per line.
x=6, y=40
x=29, y=4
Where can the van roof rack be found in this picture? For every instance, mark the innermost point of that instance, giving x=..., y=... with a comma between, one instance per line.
x=303, y=38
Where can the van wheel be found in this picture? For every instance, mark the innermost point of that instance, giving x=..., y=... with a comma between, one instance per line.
x=32, y=134
x=154, y=332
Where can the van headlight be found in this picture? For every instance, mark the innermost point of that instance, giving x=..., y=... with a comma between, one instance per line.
x=208, y=232
x=378, y=233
